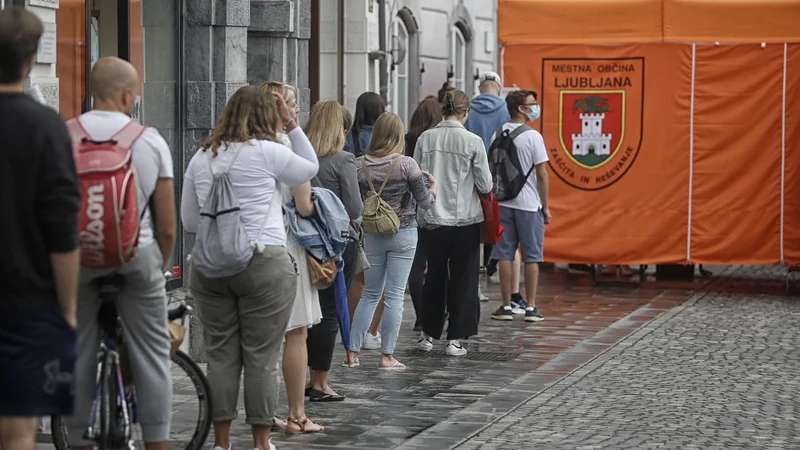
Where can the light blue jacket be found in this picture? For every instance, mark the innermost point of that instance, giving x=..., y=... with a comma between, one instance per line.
x=324, y=234
x=487, y=112
x=458, y=161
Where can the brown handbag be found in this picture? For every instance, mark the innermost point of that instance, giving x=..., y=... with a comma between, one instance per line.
x=323, y=274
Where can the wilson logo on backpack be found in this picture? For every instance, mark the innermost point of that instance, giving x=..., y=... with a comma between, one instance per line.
x=108, y=220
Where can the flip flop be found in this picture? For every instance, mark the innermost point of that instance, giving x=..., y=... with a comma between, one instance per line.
x=396, y=366
x=320, y=396
x=302, y=424
x=351, y=364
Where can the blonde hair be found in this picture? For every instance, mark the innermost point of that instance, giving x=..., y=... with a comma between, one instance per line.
x=324, y=128
x=387, y=136
x=289, y=95
x=276, y=87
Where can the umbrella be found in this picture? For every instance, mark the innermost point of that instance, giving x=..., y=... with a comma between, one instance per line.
x=342, y=310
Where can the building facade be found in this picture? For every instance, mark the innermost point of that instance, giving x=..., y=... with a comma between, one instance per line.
x=191, y=55
x=428, y=42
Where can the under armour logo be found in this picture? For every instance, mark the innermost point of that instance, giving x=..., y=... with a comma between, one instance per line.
x=55, y=377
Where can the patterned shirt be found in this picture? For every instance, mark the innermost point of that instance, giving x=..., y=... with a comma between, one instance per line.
x=405, y=186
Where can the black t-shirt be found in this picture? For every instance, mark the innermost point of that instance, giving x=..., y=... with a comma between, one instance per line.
x=411, y=144
x=39, y=200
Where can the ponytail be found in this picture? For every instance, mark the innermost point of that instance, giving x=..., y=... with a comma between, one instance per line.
x=455, y=103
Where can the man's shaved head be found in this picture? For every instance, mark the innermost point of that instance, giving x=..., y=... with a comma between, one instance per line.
x=114, y=83
x=111, y=76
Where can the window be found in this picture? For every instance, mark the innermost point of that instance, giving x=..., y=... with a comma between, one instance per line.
x=398, y=94
x=458, y=57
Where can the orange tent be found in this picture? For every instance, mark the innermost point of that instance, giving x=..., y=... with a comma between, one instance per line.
x=672, y=126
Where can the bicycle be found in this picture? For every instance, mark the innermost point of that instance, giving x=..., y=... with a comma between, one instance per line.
x=115, y=405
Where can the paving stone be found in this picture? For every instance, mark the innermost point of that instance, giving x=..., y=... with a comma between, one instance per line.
x=718, y=372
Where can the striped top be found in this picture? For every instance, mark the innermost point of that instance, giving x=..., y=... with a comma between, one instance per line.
x=406, y=186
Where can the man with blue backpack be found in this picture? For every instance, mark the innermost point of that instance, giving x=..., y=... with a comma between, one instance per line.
x=517, y=160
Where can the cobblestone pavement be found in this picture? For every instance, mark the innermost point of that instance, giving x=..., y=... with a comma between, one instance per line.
x=719, y=372
x=716, y=372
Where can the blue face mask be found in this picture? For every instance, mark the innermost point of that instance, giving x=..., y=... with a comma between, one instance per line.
x=535, y=112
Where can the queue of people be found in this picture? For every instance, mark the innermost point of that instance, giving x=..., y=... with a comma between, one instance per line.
x=291, y=225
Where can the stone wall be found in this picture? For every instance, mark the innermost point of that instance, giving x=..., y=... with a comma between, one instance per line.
x=277, y=45
x=229, y=44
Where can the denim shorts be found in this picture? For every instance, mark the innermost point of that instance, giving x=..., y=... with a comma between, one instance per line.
x=37, y=361
x=523, y=230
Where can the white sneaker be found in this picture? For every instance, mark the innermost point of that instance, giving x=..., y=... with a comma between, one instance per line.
x=517, y=310
x=374, y=342
x=484, y=298
x=425, y=343
x=454, y=348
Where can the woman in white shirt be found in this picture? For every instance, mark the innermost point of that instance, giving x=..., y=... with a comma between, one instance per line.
x=306, y=311
x=244, y=316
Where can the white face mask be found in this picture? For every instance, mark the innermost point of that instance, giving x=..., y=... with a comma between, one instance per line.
x=535, y=112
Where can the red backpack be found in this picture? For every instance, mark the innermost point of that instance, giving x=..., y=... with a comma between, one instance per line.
x=108, y=221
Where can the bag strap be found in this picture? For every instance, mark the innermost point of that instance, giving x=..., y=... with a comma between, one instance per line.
x=77, y=133
x=128, y=135
x=519, y=130
x=498, y=132
x=211, y=166
x=366, y=174
x=389, y=174
x=356, y=142
x=369, y=178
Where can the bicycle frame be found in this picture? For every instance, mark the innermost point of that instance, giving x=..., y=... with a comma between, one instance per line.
x=121, y=417
x=109, y=358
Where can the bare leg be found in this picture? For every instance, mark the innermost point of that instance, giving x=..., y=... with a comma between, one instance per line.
x=319, y=381
x=506, y=275
x=531, y=283
x=516, y=271
x=222, y=434
x=376, y=319
x=18, y=433
x=295, y=361
x=260, y=436
x=355, y=293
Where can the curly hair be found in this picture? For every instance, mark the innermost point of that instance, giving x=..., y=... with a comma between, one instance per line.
x=249, y=114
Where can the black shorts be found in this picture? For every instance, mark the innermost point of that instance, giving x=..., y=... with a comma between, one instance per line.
x=37, y=361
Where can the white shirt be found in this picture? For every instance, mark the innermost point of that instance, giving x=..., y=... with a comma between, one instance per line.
x=152, y=159
x=256, y=176
x=531, y=152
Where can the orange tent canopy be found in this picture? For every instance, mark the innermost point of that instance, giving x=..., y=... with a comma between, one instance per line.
x=643, y=21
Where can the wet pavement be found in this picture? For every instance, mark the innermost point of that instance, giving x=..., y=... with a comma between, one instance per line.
x=486, y=399
x=384, y=410
x=718, y=372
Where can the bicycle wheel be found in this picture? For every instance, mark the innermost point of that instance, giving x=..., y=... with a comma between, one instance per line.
x=191, y=406
x=108, y=401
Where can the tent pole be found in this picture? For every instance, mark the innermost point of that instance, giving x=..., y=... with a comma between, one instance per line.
x=783, y=144
x=691, y=159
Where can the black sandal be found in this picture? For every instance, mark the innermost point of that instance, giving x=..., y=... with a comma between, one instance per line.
x=320, y=396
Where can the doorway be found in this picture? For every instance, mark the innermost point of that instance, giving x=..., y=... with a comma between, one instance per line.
x=107, y=32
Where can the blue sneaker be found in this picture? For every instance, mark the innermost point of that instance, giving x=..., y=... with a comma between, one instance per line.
x=518, y=305
x=533, y=315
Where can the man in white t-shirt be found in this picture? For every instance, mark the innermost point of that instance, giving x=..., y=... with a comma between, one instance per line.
x=141, y=301
x=525, y=215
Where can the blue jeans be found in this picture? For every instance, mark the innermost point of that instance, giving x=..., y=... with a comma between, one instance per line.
x=390, y=257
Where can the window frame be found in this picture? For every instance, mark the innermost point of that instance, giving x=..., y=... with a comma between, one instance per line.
x=397, y=78
x=458, y=47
